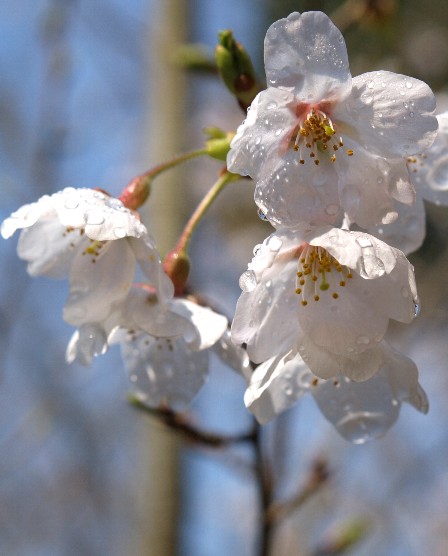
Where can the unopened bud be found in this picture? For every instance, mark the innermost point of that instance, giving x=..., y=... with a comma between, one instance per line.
x=236, y=69
x=177, y=267
x=136, y=192
x=219, y=147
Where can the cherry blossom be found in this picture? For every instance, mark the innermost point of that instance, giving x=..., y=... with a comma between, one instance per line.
x=359, y=410
x=319, y=143
x=96, y=242
x=429, y=174
x=328, y=294
x=166, y=349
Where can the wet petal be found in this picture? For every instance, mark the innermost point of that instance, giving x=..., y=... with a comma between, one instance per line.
x=49, y=248
x=307, y=53
x=276, y=385
x=208, y=325
x=408, y=231
x=98, y=282
x=164, y=371
x=266, y=131
x=389, y=114
x=294, y=194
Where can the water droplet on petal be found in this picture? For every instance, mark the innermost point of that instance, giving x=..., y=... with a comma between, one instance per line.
x=248, y=281
x=71, y=202
x=271, y=105
x=408, y=84
x=262, y=215
x=94, y=217
x=416, y=309
x=257, y=250
x=371, y=84
x=288, y=389
x=359, y=427
x=411, y=114
x=119, y=233
x=257, y=141
x=274, y=243
x=364, y=241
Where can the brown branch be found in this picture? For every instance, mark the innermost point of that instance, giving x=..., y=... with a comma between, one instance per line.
x=179, y=423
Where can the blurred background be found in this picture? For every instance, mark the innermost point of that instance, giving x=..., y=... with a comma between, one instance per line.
x=91, y=94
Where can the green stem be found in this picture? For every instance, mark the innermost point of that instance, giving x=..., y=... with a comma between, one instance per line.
x=202, y=208
x=176, y=161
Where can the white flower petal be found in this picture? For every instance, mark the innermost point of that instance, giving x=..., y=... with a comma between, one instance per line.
x=408, y=231
x=164, y=371
x=370, y=187
x=276, y=385
x=208, y=325
x=294, y=193
x=364, y=410
x=389, y=114
x=27, y=215
x=98, y=282
x=86, y=343
x=267, y=130
x=429, y=171
x=49, y=248
x=307, y=53
x=266, y=316
x=347, y=325
x=233, y=356
x=104, y=218
x=144, y=310
x=148, y=258
x=359, y=411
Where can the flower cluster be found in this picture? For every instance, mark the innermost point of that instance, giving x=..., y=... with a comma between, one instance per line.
x=339, y=173
x=341, y=168
x=97, y=243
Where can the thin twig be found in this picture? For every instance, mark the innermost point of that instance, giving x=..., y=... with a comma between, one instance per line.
x=318, y=476
x=179, y=423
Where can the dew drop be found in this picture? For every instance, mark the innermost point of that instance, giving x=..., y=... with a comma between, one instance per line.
x=274, y=243
x=359, y=427
x=416, y=309
x=248, y=281
x=262, y=215
x=271, y=106
x=288, y=390
x=277, y=132
x=408, y=84
x=268, y=284
x=119, y=233
x=257, y=141
x=364, y=242
x=71, y=202
x=94, y=217
x=411, y=114
x=257, y=250
x=371, y=84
